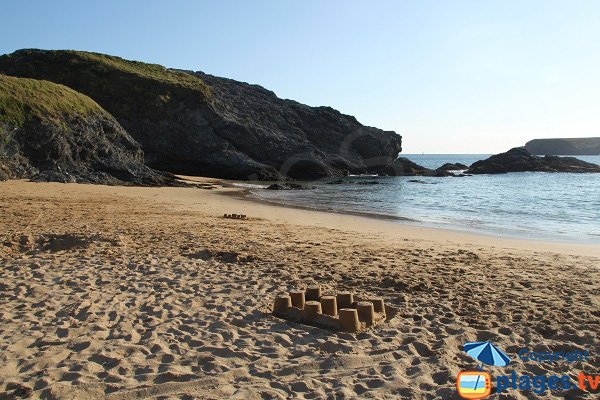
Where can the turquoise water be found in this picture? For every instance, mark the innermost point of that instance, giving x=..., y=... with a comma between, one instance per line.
x=545, y=206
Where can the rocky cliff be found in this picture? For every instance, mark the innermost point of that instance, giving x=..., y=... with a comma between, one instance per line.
x=49, y=132
x=567, y=146
x=197, y=124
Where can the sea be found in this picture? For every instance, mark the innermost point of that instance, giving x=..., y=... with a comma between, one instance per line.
x=559, y=207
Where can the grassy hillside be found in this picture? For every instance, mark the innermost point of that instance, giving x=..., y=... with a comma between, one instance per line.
x=22, y=99
x=49, y=132
x=153, y=103
x=142, y=70
x=123, y=88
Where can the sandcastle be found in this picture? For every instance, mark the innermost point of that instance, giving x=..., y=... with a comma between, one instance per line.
x=342, y=312
x=234, y=216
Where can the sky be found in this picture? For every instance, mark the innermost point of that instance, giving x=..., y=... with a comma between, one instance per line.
x=449, y=76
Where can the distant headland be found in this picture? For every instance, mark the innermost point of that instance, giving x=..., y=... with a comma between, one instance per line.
x=565, y=146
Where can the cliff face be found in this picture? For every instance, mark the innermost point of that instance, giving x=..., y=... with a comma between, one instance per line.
x=566, y=146
x=198, y=124
x=49, y=132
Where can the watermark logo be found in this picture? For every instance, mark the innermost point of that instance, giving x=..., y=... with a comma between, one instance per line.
x=478, y=384
x=474, y=384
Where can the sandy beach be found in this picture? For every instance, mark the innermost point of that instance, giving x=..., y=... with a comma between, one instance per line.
x=130, y=293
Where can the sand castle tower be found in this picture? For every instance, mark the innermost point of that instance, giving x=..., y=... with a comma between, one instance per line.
x=340, y=312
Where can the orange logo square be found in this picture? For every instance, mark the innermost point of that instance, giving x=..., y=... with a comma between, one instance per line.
x=473, y=384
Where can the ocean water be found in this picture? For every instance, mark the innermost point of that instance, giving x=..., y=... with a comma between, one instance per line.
x=561, y=207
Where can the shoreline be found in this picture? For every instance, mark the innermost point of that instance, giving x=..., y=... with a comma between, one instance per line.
x=586, y=248
x=390, y=226
x=245, y=194
x=388, y=229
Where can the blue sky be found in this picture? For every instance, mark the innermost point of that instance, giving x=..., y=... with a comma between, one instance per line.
x=450, y=76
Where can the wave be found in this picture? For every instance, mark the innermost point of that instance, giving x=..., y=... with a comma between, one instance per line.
x=249, y=185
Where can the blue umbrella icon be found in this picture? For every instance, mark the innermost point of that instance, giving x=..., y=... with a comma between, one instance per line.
x=486, y=353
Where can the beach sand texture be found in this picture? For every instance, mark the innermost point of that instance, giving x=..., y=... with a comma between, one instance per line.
x=130, y=293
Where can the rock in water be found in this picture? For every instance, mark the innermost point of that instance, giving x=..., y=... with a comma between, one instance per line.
x=287, y=186
x=452, y=167
x=404, y=167
x=197, y=124
x=49, y=132
x=520, y=160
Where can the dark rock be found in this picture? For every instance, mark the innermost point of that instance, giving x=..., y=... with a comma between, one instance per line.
x=569, y=164
x=420, y=181
x=197, y=124
x=519, y=159
x=565, y=146
x=343, y=182
x=51, y=133
x=287, y=186
x=368, y=183
x=440, y=173
x=452, y=167
x=54, y=176
x=404, y=167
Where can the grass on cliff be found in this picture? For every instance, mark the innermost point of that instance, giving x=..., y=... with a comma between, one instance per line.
x=144, y=70
x=22, y=99
x=73, y=60
x=129, y=90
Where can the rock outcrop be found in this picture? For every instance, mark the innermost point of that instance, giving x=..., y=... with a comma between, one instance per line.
x=197, y=124
x=49, y=132
x=520, y=160
x=565, y=146
x=452, y=167
x=287, y=186
x=402, y=166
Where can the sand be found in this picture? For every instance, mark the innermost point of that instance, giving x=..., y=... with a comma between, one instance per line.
x=130, y=293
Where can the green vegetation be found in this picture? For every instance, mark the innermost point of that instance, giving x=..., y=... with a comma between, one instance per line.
x=126, y=89
x=22, y=99
x=144, y=70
